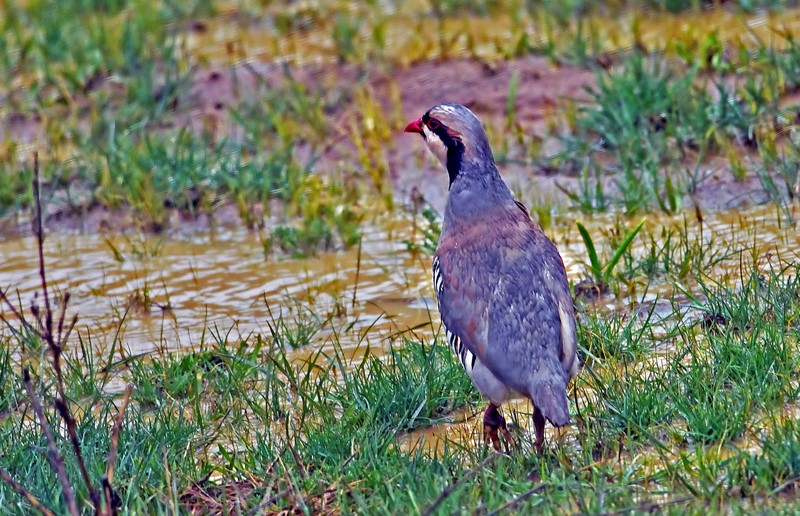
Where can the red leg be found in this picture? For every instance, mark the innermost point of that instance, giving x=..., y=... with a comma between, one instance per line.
x=492, y=422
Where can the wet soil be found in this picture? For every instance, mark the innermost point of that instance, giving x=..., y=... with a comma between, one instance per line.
x=481, y=85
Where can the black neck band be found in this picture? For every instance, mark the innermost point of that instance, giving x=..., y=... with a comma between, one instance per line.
x=455, y=154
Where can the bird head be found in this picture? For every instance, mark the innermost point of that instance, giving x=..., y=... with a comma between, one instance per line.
x=456, y=137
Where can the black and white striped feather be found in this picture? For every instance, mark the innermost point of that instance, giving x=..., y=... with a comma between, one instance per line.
x=465, y=356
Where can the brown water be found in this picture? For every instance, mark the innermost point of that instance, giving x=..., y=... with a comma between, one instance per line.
x=225, y=281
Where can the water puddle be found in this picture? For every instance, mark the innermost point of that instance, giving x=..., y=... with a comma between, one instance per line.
x=170, y=291
x=165, y=293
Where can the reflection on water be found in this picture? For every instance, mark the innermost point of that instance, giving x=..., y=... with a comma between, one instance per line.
x=223, y=281
x=170, y=291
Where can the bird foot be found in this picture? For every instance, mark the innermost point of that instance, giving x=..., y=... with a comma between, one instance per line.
x=494, y=422
x=538, y=425
x=539, y=445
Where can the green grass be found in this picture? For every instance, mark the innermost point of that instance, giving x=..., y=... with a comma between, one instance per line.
x=227, y=402
x=686, y=399
x=647, y=116
x=660, y=123
x=671, y=395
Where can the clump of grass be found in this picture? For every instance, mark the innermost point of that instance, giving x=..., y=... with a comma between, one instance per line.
x=326, y=221
x=625, y=338
x=427, y=228
x=779, y=174
x=298, y=332
x=678, y=252
x=46, y=325
x=646, y=115
x=415, y=386
x=344, y=35
x=627, y=405
x=600, y=275
x=659, y=123
x=776, y=467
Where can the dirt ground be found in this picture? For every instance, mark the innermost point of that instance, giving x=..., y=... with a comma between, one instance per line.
x=481, y=86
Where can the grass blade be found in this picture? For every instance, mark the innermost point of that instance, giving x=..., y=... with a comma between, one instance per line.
x=622, y=248
x=594, y=263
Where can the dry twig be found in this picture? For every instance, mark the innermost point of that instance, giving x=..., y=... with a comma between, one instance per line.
x=54, y=457
x=55, y=339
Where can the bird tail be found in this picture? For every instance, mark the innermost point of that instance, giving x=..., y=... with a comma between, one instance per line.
x=550, y=397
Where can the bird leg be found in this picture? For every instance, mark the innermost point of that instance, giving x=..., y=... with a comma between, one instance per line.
x=538, y=425
x=492, y=422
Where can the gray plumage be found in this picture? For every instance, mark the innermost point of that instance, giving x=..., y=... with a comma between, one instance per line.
x=500, y=282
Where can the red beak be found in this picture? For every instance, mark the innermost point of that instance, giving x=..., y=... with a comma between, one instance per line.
x=414, y=127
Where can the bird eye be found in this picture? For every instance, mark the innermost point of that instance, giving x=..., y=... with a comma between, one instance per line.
x=433, y=124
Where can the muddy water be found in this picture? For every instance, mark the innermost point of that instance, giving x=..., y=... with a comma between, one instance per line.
x=224, y=283
x=163, y=293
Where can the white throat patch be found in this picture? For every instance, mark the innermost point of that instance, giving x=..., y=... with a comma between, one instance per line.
x=436, y=145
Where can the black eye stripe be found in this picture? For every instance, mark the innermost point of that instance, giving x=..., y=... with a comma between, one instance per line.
x=452, y=142
x=435, y=126
x=440, y=130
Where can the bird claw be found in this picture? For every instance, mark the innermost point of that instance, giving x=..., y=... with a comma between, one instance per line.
x=492, y=423
x=491, y=435
x=511, y=441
